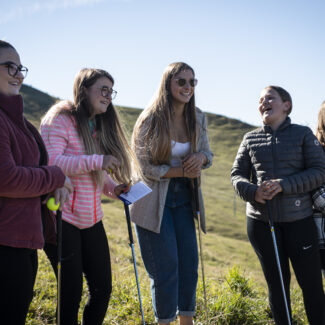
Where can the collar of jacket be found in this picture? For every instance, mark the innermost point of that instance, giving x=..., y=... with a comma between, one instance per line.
x=13, y=107
x=285, y=124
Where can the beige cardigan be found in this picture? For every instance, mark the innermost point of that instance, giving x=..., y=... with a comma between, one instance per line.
x=148, y=212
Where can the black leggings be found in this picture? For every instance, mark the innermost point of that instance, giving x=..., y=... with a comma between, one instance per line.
x=296, y=241
x=17, y=277
x=84, y=251
x=322, y=258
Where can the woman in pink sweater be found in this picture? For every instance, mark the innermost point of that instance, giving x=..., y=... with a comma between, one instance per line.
x=86, y=141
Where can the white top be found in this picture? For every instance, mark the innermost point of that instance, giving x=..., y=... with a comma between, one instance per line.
x=179, y=151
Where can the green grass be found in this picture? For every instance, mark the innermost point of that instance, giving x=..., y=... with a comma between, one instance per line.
x=235, y=295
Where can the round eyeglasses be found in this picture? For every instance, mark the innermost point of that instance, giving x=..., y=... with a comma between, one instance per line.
x=13, y=69
x=108, y=92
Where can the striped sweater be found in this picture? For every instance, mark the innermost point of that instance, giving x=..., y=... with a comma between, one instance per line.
x=66, y=150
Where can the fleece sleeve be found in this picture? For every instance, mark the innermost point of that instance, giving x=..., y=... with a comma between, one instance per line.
x=20, y=181
x=241, y=174
x=57, y=136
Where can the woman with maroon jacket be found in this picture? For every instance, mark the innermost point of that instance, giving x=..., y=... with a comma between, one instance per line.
x=24, y=178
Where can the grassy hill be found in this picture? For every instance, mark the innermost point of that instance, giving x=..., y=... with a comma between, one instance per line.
x=235, y=296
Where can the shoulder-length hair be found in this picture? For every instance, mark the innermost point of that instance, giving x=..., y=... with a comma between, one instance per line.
x=320, y=131
x=109, y=138
x=156, y=118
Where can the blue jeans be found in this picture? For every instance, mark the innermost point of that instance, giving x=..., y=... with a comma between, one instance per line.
x=171, y=257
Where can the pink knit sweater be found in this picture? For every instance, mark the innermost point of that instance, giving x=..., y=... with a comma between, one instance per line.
x=66, y=150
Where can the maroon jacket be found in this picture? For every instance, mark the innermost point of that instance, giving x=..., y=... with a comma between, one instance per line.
x=24, y=177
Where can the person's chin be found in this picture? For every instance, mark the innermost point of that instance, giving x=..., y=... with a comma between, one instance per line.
x=13, y=92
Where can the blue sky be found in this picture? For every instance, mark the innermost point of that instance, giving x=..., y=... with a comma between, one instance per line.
x=235, y=47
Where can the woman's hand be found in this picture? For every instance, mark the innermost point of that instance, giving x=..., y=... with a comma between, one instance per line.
x=110, y=163
x=61, y=194
x=193, y=173
x=122, y=188
x=68, y=185
x=193, y=162
x=267, y=191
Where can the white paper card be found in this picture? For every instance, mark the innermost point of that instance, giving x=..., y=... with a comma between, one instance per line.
x=137, y=191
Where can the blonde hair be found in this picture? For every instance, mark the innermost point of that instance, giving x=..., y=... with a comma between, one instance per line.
x=320, y=131
x=110, y=138
x=158, y=116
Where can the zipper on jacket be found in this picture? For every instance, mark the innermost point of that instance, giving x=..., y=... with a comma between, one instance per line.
x=274, y=168
x=73, y=200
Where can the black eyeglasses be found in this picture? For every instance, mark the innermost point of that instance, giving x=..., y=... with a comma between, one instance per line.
x=108, y=92
x=13, y=69
x=182, y=82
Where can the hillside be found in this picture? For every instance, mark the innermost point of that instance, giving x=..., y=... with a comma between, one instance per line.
x=225, y=244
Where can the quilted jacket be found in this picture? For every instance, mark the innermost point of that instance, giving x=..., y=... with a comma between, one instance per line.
x=292, y=155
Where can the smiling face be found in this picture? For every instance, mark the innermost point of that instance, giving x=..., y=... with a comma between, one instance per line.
x=9, y=85
x=181, y=95
x=272, y=108
x=97, y=101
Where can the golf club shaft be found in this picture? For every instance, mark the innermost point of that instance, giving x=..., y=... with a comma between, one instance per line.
x=128, y=221
x=138, y=284
x=197, y=204
x=269, y=210
x=59, y=252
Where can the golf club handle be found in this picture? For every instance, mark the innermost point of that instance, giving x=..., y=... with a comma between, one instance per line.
x=59, y=233
x=269, y=212
x=128, y=221
x=196, y=194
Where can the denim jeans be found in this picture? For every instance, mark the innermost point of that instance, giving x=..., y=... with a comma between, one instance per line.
x=171, y=257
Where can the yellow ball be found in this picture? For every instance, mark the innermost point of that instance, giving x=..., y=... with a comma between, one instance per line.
x=51, y=204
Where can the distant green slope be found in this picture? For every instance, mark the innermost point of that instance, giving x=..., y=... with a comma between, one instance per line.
x=36, y=103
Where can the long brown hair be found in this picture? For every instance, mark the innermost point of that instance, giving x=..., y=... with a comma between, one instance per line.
x=110, y=138
x=320, y=131
x=158, y=116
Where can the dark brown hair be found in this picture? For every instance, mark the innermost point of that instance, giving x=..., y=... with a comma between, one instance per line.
x=6, y=45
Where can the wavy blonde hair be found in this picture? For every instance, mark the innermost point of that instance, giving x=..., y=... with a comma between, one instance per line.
x=158, y=116
x=110, y=137
x=320, y=131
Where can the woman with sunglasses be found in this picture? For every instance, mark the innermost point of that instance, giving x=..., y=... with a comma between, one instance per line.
x=171, y=143
x=24, y=179
x=278, y=165
x=86, y=140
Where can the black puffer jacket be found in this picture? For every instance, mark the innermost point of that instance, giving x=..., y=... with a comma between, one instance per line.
x=292, y=155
